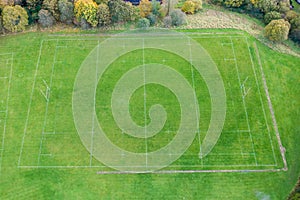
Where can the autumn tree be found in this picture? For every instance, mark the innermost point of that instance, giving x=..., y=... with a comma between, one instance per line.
x=15, y=18
x=87, y=10
x=145, y=7
x=277, y=30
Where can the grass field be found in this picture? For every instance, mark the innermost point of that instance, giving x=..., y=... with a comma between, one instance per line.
x=43, y=156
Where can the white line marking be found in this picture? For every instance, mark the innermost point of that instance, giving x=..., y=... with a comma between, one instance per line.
x=282, y=149
x=47, y=105
x=145, y=105
x=195, y=100
x=244, y=103
x=93, y=117
x=30, y=101
x=6, y=113
x=261, y=102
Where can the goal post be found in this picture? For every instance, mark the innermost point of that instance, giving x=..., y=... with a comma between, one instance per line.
x=46, y=92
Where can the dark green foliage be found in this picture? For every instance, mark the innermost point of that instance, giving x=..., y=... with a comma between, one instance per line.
x=33, y=7
x=143, y=23
x=45, y=18
x=1, y=25
x=295, y=23
x=178, y=17
x=66, y=10
x=156, y=7
x=295, y=35
x=152, y=19
x=271, y=16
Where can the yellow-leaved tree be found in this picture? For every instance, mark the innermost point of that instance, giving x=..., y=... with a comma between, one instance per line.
x=87, y=10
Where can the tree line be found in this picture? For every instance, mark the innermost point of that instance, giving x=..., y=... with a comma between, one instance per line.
x=280, y=19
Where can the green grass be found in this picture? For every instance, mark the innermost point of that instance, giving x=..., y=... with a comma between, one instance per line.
x=282, y=74
x=296, y=6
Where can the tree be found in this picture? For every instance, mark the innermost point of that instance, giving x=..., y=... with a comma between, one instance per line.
x=52, y=6
x=143, y=23
x=277, y=30
x=167, y=22
x=295, y=23
x=15, y=18
x=290, y=15
x=103, y=14
x=4, y=3
x=295, y=35
x=197, y=4
x=86, y=9
x=271, y=16
x=45, y=18
x=168, y=6
x=156, y=8
x=267, y=5
x=234, y=3
x=152, y=19
x=188, y=7
x=178, y=17
x=33, y=7
x=121, y=11
x=145, y=7
x=66, y=10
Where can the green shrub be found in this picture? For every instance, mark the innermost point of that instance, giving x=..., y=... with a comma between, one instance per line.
x=143, y=23
x=284, y=6
x=52, y=6
x=295, y=23
x=1, y=29
x=267, y=5
x=178, y=17
x=152, y=19
x=33, y=7
x=103, y=14
x=66, y=10
x=155, y=8
x=84, y=24
x=45, y=18
x=14, y=18
x=277, y=30
x=167, y=22
x=233, y=3
x=295, y=35
x=86, y=9
x=290, y=15
x=188, y=7
x=121, y=11
x=271, y=16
